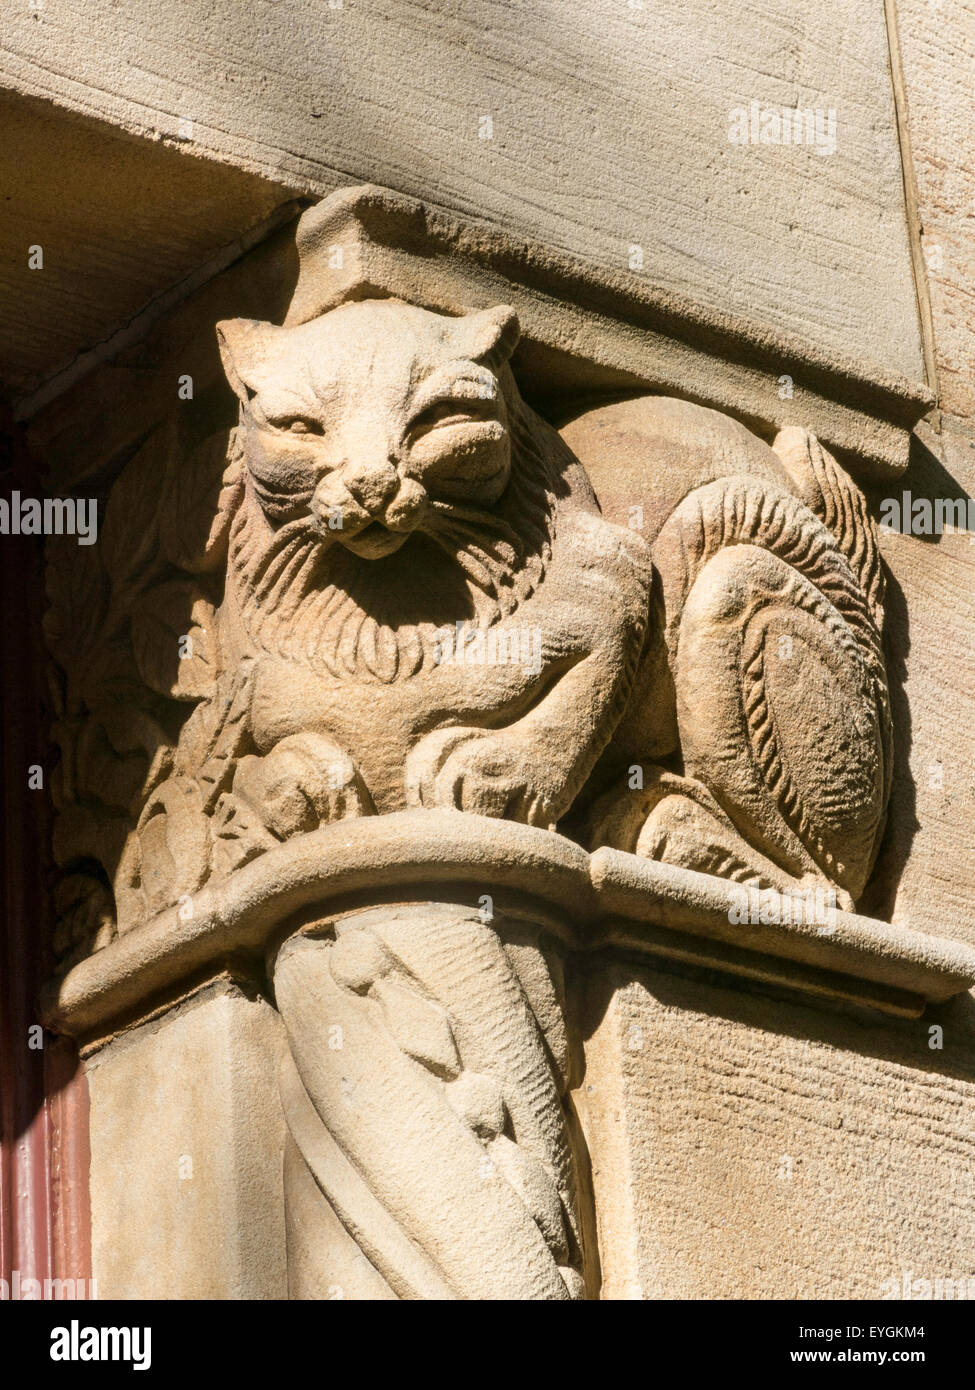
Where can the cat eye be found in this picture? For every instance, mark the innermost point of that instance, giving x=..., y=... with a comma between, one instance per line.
x=443, y=413
x=298, y=424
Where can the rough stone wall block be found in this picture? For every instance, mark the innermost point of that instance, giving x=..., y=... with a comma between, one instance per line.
x=187, y=1146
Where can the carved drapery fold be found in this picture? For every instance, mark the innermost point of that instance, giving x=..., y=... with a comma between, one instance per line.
x=424, y=1097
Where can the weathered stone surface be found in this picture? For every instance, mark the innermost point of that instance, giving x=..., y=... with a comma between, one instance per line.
x=720, y=514
x=608, y=133
x=377, y=636
x=588, y=331
x=927, y=864
x=585, y=334
x=937, y=52
x=613, y=898
x=271, y=755
x=336, y=675
x=424, y=1101
x=748, y=1147
x=120, y=222
x=187, y=1142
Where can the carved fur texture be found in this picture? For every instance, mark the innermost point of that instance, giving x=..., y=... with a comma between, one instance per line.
x=395, y=588
x=764, y=707
x=422, y=605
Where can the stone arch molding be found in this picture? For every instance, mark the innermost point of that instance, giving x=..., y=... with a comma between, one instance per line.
x=371, y=685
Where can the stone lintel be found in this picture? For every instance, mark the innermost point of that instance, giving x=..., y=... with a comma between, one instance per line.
x=601, y=330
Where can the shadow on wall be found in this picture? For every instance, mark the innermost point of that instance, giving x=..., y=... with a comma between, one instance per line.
x=880, y=893
x=904, y=1042
x=926, y=480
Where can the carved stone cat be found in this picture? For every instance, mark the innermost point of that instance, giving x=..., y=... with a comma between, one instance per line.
x=759, y=729
x=424, y=607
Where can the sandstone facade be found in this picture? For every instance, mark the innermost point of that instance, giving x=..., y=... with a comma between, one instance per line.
x=507, y=704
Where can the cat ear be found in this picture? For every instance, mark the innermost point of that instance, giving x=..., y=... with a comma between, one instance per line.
x=244, y=345
x=489, y=336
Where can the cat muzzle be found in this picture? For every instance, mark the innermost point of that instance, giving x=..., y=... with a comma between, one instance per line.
x=369, y=531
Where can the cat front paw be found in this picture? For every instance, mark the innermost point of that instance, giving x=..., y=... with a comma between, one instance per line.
x=479, y=771
x=305, y=781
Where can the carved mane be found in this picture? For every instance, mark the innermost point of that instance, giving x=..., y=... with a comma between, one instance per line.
x=307, y=601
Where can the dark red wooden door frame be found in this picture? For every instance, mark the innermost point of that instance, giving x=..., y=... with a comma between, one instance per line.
x=44, y=1220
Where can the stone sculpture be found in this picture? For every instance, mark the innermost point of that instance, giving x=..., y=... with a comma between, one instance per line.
x=404, y=595
x=760, y=721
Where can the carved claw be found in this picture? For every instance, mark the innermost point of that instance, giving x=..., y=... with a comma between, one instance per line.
x=477, y=770
x=305, y=781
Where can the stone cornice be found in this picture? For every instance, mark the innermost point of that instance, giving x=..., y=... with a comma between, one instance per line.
x=611, y=899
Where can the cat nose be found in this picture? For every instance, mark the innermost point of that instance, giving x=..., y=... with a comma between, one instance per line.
x=372, y=485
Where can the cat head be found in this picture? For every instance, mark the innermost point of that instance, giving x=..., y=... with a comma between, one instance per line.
x=375, y=421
